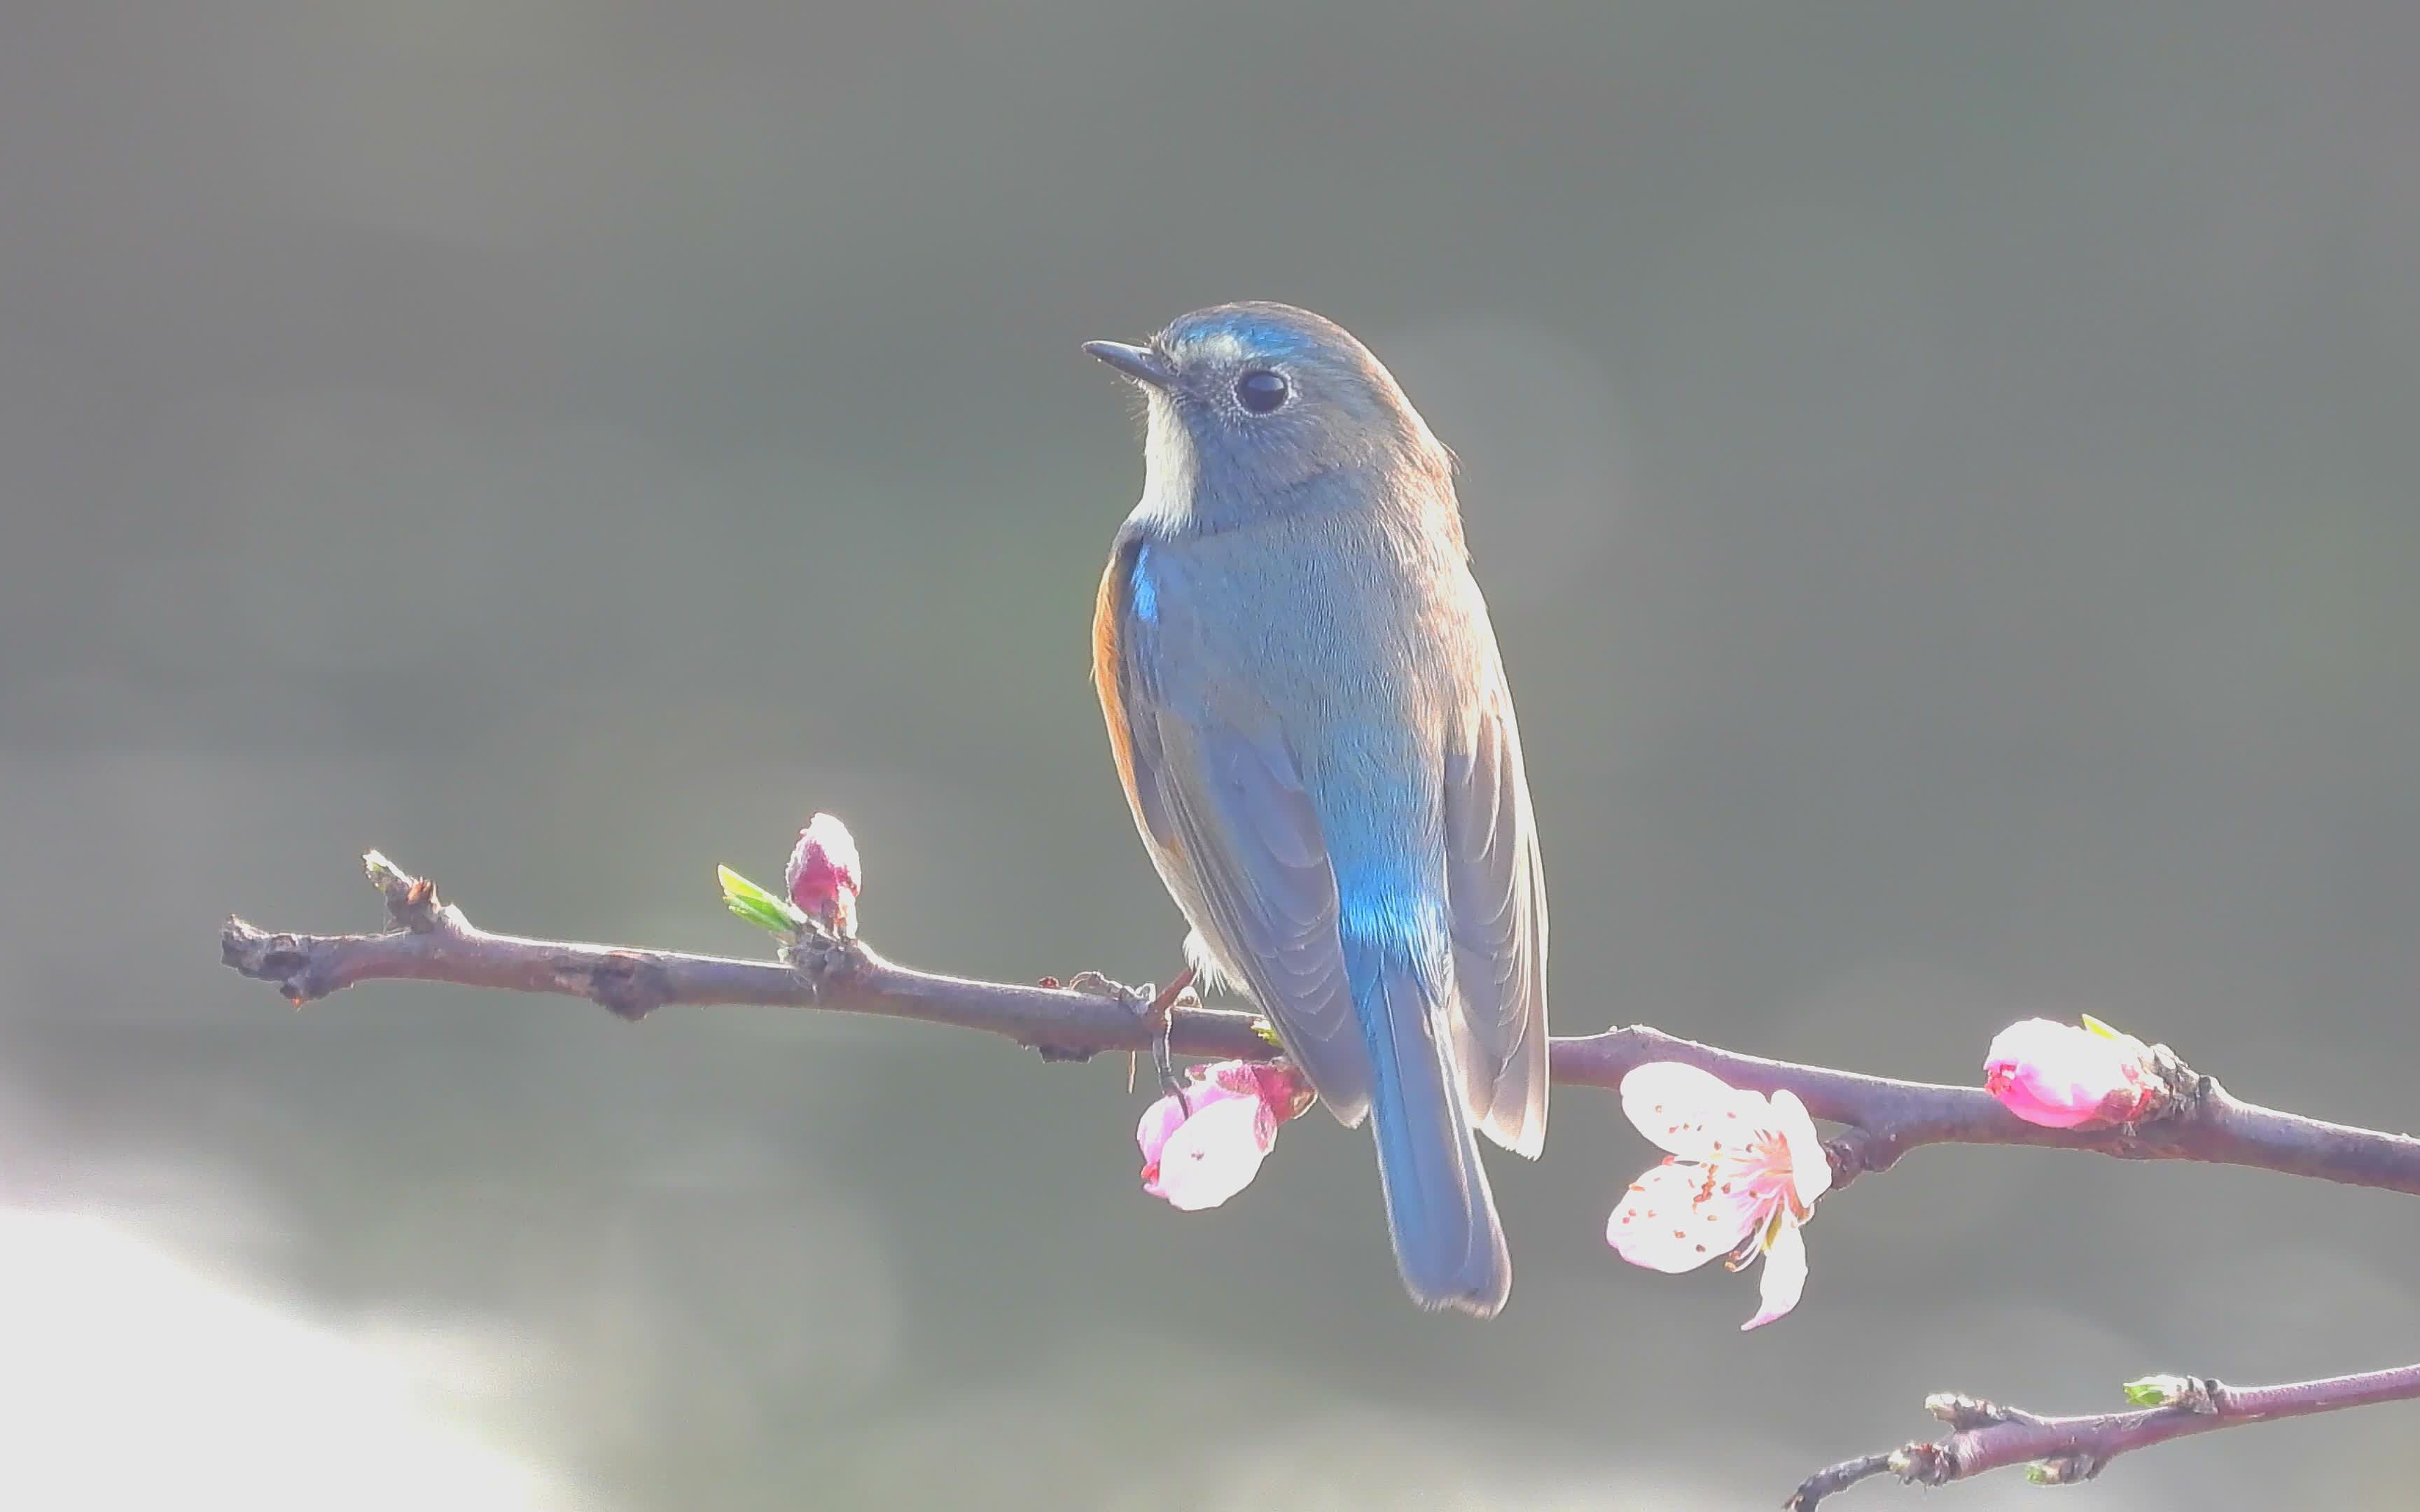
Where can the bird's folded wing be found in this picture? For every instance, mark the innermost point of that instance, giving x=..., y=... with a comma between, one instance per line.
x=1496, y=889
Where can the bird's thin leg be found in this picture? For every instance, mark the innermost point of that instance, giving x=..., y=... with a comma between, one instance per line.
x=1159, y=1014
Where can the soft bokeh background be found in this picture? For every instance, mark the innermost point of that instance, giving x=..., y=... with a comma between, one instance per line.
x=1946, y=481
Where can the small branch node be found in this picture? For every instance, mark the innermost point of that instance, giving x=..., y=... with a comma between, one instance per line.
x=411, y=901
x=1923, y=1464
x=624, y=983
x=2183, y=1089
x=1853, y=1153
x=825, y=963
x=2066, y=1470
x=283, y=960
x=1962, y=1412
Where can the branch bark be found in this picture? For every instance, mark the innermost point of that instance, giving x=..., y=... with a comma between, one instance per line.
x=1885, y=1117
x=1985, y=1436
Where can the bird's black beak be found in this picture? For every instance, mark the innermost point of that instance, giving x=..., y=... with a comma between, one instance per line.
x=1139, y=363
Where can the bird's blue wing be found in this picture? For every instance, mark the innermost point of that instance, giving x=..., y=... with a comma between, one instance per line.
x=1222, y=803
x=1496, y=891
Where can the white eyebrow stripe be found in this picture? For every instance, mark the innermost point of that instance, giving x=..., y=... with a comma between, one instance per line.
x=1219, y=347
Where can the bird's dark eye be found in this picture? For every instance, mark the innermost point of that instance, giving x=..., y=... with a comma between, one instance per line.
x=1259, y=390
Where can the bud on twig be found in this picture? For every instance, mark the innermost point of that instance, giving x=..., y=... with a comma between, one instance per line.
x=824, y=875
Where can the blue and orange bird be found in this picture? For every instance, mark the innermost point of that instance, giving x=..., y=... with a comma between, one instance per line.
x=1308, y=710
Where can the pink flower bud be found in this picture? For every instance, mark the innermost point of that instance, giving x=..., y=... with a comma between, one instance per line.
x=824, y=872
x=1198, y=1151
x=2061, y=1076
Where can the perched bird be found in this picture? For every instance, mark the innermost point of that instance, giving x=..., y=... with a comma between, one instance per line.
x=1307, y=708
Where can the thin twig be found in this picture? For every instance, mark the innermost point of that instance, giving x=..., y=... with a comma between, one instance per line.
x=1988, y=1437
x=433, y=941
x=2199, y=1120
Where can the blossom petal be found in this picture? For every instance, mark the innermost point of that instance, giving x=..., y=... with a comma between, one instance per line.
x=1280, y=1088
x=1213, y=1154
x=1691, y=1113
x=1165, y=1116
x=2030, y=1040
x=1810, y=1169
x=1159, y=1121
x=1242, y=1077
x=1668, y=1222
x=1784, y=1277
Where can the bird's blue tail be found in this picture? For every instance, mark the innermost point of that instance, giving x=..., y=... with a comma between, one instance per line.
x=1447, y=1242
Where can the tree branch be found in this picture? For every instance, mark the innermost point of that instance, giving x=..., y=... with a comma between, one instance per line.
x=2200, y=1120
x=1987, y=1436
x=2195, y=1120
x=1885, y=1117
x=433, y=941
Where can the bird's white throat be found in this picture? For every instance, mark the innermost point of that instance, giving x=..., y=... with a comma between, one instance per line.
x=1169, y=470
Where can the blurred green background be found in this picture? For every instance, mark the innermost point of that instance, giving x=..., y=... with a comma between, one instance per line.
x=1946, y=477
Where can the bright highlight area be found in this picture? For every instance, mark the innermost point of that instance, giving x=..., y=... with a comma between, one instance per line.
x=133, y=1377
